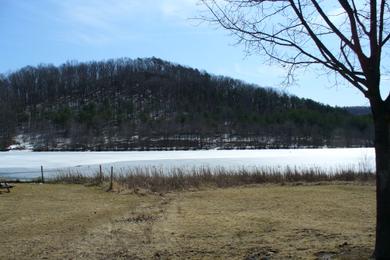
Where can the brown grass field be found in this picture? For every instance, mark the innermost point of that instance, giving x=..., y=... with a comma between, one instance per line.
x=309, y=221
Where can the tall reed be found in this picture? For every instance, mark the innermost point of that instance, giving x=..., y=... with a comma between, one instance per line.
x=158, y=179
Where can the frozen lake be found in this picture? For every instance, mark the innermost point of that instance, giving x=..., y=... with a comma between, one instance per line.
x=25, y=165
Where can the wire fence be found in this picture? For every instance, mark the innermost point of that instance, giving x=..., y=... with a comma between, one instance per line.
x=27, y=174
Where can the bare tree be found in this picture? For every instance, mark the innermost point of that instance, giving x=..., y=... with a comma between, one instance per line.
x=347, y=37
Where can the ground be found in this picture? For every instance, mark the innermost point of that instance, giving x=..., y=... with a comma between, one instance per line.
x=324, y=221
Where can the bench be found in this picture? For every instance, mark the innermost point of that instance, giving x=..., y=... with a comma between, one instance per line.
x=5, y=186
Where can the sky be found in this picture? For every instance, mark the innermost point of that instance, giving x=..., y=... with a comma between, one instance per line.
x=55, y=31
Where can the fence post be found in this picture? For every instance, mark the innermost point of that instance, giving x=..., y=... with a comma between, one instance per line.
x=42, y=178
x=100, y=174
x=111, y=178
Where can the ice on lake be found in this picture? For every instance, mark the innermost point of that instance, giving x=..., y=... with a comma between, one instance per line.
x=25, y=165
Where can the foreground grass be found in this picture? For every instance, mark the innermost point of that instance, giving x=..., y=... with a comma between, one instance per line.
x=44, y=221
x=247, y=222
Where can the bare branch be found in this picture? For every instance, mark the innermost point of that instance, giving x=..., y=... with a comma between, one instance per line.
x=381, y=21
x=355, y=36
x=301, y=33
x=357, y=17
x=333, y=27
x=385, y=40
x=326, y=53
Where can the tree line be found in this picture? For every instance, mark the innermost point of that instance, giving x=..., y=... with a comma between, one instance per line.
x=126, y=104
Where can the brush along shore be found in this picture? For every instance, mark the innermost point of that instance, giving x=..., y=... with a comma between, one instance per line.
x=258, y=221
x=158, y=179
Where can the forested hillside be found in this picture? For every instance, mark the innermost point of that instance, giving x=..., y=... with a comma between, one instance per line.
x=145, y=104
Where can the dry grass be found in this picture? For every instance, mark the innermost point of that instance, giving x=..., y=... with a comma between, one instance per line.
x=156, y=179
x=291, y=221
x=283, y=222
x=39, y=221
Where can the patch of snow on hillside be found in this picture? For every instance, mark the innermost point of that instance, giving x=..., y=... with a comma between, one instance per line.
x=21, y=143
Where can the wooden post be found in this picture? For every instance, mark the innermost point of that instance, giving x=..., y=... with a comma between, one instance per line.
x=100, y=174
x=111, y=178
x=42, y=178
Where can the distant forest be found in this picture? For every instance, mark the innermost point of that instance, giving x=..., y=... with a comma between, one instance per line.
x=147, y=104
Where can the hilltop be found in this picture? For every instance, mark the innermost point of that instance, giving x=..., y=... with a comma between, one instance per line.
x=150, y=103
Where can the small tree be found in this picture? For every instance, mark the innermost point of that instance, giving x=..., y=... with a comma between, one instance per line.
x=347, y=37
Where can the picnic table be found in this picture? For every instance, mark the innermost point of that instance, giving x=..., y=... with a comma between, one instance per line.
x=5, y=186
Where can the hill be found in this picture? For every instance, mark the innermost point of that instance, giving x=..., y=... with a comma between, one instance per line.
x=127, y=104
x=359, y=110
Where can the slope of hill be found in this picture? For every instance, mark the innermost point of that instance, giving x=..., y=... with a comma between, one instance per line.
x=359, y=110
x=149, y=103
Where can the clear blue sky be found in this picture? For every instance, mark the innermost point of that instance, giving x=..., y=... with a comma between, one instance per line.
x=55, y=31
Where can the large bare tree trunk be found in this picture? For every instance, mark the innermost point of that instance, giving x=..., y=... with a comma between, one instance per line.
x=382, y=151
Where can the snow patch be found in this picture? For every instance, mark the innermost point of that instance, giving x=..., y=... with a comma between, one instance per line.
x=21, y=143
